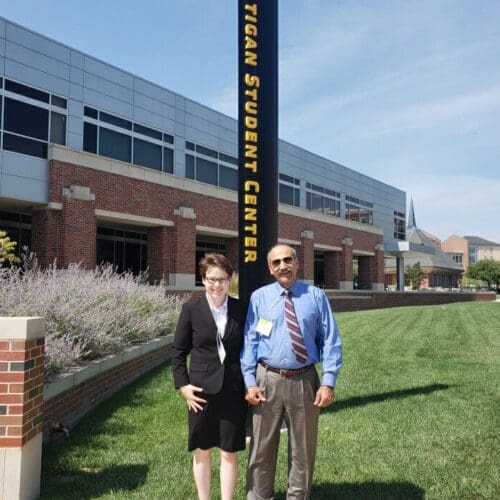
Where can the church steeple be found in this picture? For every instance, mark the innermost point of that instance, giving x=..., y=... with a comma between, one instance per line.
x=411, y=216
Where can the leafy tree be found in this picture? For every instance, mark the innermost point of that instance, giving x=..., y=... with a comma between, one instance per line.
x=414, y=275
x=485, y=270
x=7, y=249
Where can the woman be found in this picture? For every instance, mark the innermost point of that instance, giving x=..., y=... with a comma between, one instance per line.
x=209, y=330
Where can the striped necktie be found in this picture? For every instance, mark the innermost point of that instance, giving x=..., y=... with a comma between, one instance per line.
x=298, y=346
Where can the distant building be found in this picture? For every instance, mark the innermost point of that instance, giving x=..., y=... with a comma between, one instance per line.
x=441, y=271
x=469, y=249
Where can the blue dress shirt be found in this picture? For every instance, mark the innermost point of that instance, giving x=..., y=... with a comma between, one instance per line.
x=317, y=325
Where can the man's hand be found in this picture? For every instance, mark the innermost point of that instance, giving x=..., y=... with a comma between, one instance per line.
x=324, y=396
x=254, y=395
x=193, y=401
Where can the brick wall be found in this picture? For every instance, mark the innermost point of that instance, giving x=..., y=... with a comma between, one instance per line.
x=70, y=406
x=21, y=390
x=357, y=301
x=68, y=233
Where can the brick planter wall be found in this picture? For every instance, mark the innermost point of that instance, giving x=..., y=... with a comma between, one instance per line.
x=72, y=396
x=359, y=300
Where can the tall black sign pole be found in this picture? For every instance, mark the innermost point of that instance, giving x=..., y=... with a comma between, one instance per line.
x=258, y=141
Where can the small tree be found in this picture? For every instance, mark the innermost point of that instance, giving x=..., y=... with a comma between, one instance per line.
x=7, y=249
x=485, y=270
x=415, y=275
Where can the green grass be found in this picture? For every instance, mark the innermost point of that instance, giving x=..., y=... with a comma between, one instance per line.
x=416, y=417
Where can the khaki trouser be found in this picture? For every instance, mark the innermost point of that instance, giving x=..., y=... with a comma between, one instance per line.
x=289, y=399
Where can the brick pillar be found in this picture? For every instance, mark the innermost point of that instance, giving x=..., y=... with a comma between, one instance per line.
x=345, y=265
x=332, y=270
x=183, y=248
x=45, y=236
x=232, y=252
x=305, y=254
x=21, y=406
x=78, y=227
x=378, y=268
x=158, y=253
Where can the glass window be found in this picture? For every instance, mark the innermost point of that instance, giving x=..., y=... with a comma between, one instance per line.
x=168, y=138
x=26, y=119
x=286, y=194
x=90, y=137
x=24, y=145
x=332, y=207
x=90, y=112
x=228, y=177
x=115, y=120
x=190, y=146
x=352, y=212
x=155, y=134
x=206, y=171
x=168, y=160
x=58, y=101
x=228, y=159
x=206, y=151
x=114, y=145
x=314, y=201
x=26, y=91
x=57, y=128
x=286, y=178
x=190, y=166
x=147, y=154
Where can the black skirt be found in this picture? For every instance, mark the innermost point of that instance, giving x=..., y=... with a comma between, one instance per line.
x=221, y=424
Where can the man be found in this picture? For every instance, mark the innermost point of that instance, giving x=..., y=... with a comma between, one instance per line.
x=290, y=327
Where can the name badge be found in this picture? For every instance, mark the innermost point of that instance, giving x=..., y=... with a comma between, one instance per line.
x=264, y=327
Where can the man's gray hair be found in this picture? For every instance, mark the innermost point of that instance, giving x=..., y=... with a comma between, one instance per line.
x=294, y=253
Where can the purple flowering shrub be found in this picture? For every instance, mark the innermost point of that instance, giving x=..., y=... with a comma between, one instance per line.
x=89, y=314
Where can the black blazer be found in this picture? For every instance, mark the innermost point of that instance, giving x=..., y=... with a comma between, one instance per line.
x=196, y=334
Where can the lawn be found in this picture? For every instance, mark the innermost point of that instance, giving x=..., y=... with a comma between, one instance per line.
x=416, y=417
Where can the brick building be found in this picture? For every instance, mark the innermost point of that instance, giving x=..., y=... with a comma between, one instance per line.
x=99, y=165
x=468, y=250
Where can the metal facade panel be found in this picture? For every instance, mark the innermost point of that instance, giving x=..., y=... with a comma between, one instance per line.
x=108, y=72
x=107, y=103
x=153, y=91
x=22, y=188
x=24, y=166
x=108, y=87
x=36, y=78
x=36, y=60
x=37, y=43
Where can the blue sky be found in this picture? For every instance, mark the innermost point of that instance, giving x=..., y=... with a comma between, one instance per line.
x=406, y=92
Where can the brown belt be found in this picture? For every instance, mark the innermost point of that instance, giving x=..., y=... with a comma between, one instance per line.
x=286, y=373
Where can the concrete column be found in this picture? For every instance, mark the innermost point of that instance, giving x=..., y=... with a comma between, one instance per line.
x=21, y=407
x=158, y=253
x=78, y=227
x=305, y=255
x=345, y=271
x=400, y=273
x=183, y=245
x=378, y=270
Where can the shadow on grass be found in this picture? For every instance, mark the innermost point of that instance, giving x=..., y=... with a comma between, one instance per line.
x=384, y=396
x=92, y=483
x=365, y=491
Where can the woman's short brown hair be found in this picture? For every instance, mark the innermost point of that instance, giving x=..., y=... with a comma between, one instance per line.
x=215, y=260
